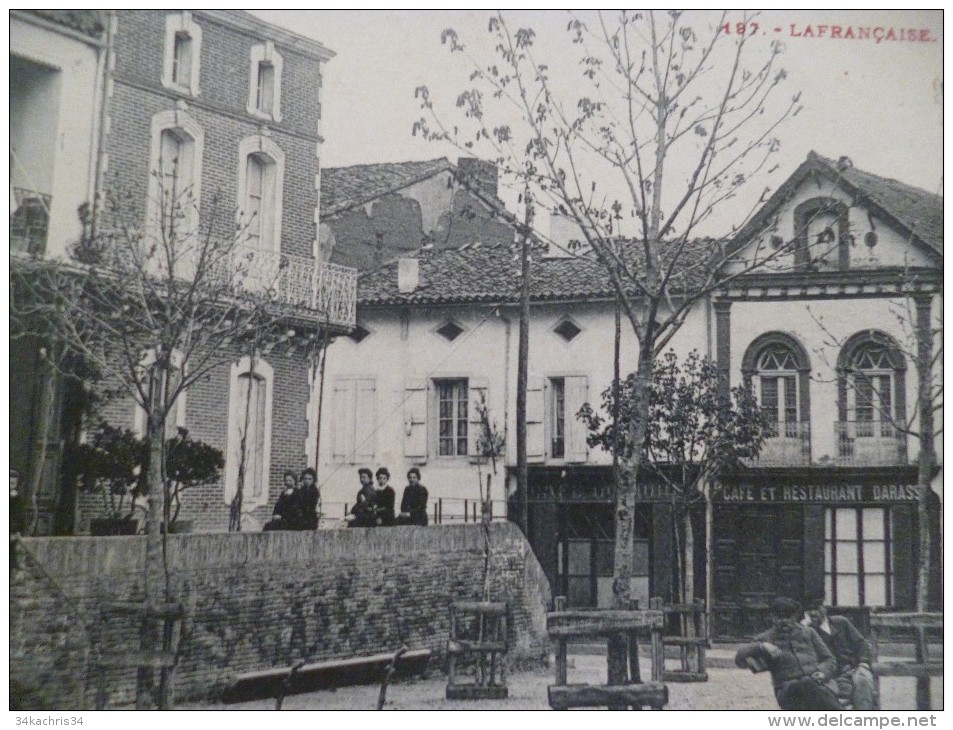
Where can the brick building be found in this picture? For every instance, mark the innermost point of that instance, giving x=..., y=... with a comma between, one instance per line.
x=829, y=346
x=229, y=108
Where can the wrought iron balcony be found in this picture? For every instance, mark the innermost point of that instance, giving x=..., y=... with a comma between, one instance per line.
x=307, y=288
x=869, y=443
x=29, y=221
x=788, y=444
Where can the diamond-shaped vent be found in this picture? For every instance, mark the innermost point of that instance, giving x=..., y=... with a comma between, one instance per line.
x=451, y=330
x=359, y=334
x=567, y=329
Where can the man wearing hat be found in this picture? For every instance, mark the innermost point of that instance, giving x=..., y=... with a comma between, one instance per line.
x=800, y=663
x=855, y=682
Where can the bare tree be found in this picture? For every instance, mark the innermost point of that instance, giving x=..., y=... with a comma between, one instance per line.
x=148, y=310
x=661, y=122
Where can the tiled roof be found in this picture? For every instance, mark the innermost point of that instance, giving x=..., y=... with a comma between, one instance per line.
x=914, y=210
x=490, y=273
x=919, y=211
x=87, y=22
x=346, y=187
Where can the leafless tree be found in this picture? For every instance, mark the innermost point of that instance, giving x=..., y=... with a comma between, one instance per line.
x=146, y=307
x=661, y=121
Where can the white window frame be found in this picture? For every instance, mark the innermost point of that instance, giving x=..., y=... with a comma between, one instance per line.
x=257, y=495
x=851, y=552
x=265, y=53
x=456, y=418
x=788, y=378
x=182, y=23
x=175, y=419
x=183, y=125
x=266, y=150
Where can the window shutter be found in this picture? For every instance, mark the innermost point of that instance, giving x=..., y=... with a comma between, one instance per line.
x=415, y=419
x=365, y=424
x=342, y=427
x=535, y=418
x=577, y=393
x=479, y=395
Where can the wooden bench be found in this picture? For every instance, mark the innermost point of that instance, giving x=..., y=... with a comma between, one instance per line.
x=692, y=639
x=918, y=629
x=487, y=649
x=565, y=625
x=261, y=683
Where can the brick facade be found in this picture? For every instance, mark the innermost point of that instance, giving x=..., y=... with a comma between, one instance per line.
x=258, y=601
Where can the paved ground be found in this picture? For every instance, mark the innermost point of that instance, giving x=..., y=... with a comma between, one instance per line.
x=728, y=688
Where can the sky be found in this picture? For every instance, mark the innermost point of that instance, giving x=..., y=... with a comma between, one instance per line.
x=879, y=103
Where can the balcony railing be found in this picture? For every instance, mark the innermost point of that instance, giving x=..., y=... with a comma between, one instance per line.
x=869, y=443
x=309, y=288
x=29, y=221
x=788, y=444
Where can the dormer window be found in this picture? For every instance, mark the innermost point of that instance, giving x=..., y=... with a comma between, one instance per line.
x=264, y=83
x=183, y=46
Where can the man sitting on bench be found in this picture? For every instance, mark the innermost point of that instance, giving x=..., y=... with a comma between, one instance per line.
x=855, y=682
x=799, y=662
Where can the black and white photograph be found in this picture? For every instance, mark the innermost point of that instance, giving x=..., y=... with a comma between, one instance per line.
x=488, y=360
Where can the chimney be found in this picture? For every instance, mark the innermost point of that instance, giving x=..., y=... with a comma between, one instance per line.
x=479, y=174
x=565, y=237
x=408, y=275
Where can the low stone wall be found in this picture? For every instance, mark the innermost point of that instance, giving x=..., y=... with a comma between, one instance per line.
x=258, y=601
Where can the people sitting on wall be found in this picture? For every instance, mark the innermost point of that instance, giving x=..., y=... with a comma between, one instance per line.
x=855, y=681
x=309, y=496
x=384, y=499
x=287, y=512
x=413, y=502
x=363, y=513
x=800, y=663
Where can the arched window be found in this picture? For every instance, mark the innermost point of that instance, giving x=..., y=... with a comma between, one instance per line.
x=261, y=171
x=183, y=53
x=249, y=431
x=777, y=368
x=822, y=233
x=871, y=399
x=175, y=188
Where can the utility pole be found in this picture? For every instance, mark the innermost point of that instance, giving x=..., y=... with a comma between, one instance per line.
x=522, y=366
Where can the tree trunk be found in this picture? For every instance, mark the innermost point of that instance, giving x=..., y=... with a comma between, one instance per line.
x=149, y=634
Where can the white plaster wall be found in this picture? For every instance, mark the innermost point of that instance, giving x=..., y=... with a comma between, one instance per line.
x=74, y=142
x=487, y=349
x=892, y=247
x=822, y=327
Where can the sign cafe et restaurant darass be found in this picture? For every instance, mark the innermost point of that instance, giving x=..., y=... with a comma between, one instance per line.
x=840, y=493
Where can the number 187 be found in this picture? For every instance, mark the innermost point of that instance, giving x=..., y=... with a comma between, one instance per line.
x=740, y=28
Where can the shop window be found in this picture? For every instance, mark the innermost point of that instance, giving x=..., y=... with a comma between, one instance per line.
x=858, y=565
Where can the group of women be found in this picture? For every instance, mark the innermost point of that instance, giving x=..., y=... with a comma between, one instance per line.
x=374, y=507
x=297, y=507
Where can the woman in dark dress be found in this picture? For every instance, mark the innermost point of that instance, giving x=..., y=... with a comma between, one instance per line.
x=286, y=515
x=363, y=512
x=308, y=498
x=413, y=503
x=385, y=498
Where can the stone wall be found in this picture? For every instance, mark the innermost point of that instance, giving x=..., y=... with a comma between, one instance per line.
x=259, y=601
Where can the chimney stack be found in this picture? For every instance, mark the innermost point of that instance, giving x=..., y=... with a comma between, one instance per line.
x=408, y=275
x=479, y=174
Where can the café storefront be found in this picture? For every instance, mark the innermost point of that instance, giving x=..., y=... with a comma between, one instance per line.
x=572, y=532
x=849, y=535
